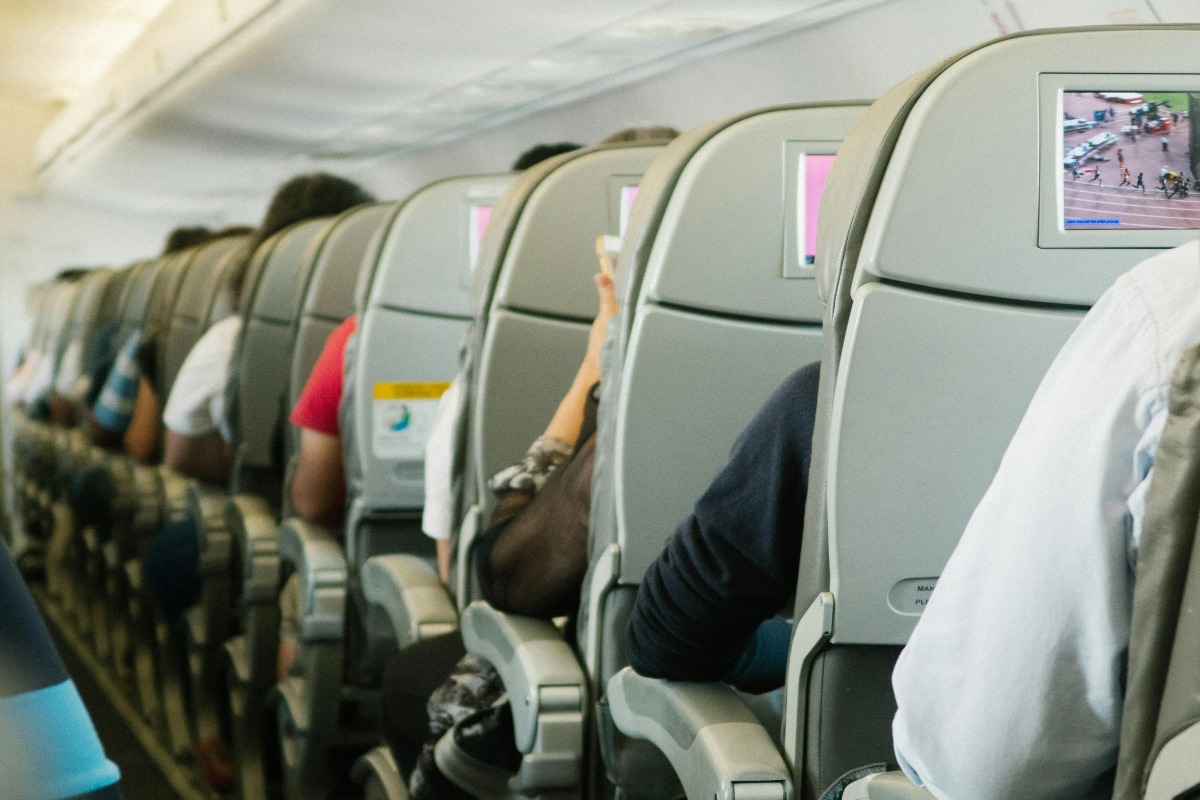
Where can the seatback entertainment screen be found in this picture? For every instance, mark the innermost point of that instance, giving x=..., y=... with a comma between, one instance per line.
x=480, y=215
x=1128, y=161
x=815, y=170
x=628, y=193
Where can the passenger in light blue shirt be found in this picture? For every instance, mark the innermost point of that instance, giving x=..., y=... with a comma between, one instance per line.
x=114, y=407
x=1013, y=682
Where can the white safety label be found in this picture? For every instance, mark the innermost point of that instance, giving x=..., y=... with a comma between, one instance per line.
x=402, y=415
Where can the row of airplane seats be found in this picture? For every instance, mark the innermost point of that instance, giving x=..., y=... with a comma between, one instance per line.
x=934, y=309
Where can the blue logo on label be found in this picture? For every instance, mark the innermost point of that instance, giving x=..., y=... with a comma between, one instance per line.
x=402, y=421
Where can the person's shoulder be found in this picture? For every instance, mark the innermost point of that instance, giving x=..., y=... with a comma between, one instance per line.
x=1168, y=283
x=222, y=335
x=1167, y=291
x=230, y=326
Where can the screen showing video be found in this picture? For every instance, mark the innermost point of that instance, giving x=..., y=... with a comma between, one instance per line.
x=478, y=226
x=814, y=170
x=1127, y=161
x=628, y=193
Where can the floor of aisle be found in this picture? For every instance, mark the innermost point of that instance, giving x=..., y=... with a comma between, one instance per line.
x=144, y=776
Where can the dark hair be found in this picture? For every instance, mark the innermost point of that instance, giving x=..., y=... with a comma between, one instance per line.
x=642, y=133
x=232, y=230
x=183, y=238
x=303, y=197
x=540, y=152
x=71, y=274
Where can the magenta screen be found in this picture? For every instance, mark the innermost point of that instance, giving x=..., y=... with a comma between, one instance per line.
x=628, y=193
x=479, y=222
x=816, y=172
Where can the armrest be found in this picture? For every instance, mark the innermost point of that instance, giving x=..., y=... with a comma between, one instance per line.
x=206, y=505
x=206, y=501
x=412, y=596
x=546, y=687
x=252, y=523
x=175, y=493
x=886, y=786
x=148, y=490
x=321, y=567
x=713, y=741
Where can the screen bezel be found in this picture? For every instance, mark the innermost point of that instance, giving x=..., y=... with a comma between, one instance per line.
x=1052, y=233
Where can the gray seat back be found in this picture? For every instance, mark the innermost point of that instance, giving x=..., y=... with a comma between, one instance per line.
x=329, y=298
x=718, y=307
x=164, y=298
x=62, y=329
x=945, y=306
x=203, y=289
x=84, y=321
x=414, y=308
x=135, y=305
x=264, y=356
x=534, y=303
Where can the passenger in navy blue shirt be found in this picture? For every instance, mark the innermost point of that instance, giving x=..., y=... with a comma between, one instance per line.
x=707, y=607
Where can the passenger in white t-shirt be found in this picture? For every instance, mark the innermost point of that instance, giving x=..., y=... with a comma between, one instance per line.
x=1013, y=682
x=198, y=436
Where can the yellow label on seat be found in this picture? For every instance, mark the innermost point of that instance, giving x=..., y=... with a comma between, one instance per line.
x=424, y=390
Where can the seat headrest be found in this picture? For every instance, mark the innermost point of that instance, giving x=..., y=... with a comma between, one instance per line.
x=424, y=258
x=716, y=235
x=334, y=275
x=284, y=276
x=204, y=276
x=977, y=144
x=548, y=222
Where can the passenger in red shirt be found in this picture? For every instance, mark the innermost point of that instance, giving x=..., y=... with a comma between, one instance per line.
x=319, y=483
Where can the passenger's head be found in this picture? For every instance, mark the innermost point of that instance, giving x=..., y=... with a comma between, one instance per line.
x=184, y=237
x=303, y=197
x=540, y=152
x=71, y=274
x=643, y=133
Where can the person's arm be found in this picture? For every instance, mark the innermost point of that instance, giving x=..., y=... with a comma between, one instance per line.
x=441, y=450
x=444, y=552
x=117, y=400
x=533, y=555
x=1012, y=682
x=318, y=489
x=568, y=417
x=206, y=456
x=194, y=445
x=319, y=482
x=142, y=436
x=731, y=565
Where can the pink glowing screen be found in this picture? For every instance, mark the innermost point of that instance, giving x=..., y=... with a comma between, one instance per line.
x=479, y=222
x=816, y=171
x=628, y=193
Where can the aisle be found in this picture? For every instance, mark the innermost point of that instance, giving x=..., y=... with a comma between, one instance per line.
x=142, y=774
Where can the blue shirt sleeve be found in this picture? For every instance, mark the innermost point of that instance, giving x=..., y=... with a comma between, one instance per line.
x=114, y=407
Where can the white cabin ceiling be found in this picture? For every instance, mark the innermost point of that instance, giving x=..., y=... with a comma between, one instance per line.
x=267, y=85
x=176, y=107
